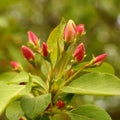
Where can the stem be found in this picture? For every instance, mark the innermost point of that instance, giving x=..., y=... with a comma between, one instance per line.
x=71, y=78
x=62, y=64
x=47, y=67
x=65, y=60
x=42, y=75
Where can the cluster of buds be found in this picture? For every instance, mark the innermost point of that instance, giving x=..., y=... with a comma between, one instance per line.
x=28, y=53
x=77, y=54
x=71, y=31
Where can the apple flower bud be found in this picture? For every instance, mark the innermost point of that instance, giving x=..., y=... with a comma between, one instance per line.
x=15, y=65
x=79, y=52
x=70, y=31
x=100, y=58
x=60, y=104
x=80, y=29
x=32, y=38
x=27, y=52
x=44, y=49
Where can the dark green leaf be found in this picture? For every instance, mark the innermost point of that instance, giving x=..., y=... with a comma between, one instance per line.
x=32, y=106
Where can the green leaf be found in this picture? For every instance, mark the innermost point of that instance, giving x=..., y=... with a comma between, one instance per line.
x=95, y=83
x=7, y=76
x=14, y=78
x=89, y=112
x=14, y=111
x=55, y=39
x=9, y=93
x=104, y=68
x=32, y=106
x=39, y=81
x=21, y=77
x=43, y=117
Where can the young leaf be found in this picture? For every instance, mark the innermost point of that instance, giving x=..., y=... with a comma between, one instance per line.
x=14, y=111
x=55, y=39
x=9, y=93
x=32, y=106
x=89, y=112
x=95, y=83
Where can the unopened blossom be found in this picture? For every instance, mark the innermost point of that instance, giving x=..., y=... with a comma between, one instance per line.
x=32, y=38
x=15, y=65
x=70, y=31
x=44, y=49
x=100, y=58
x=27, y=52
x=60, y=104
x=79, y=52
x=80, y=29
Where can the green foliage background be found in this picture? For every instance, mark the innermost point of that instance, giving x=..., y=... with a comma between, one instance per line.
x=102, y=24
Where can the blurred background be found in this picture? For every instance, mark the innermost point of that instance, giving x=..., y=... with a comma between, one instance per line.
x=102, y=24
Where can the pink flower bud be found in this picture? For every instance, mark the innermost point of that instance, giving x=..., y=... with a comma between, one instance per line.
x=32, y=38
x=44, y=49
x=70, y=31
x=100, y=58
x=15, y=65
x=79, y=52
x=80, y=29
x=60, y=104
x=27, y=52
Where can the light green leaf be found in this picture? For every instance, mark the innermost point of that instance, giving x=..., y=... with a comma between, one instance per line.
x=21, y=77
x=104, y=68
x=55, y=39
x=89, y=112
x=95, y=83
x=32, y=106
x=39, y=81
x=14, y=111
x=9, y=93
x=14, y=78
x=7, y=76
